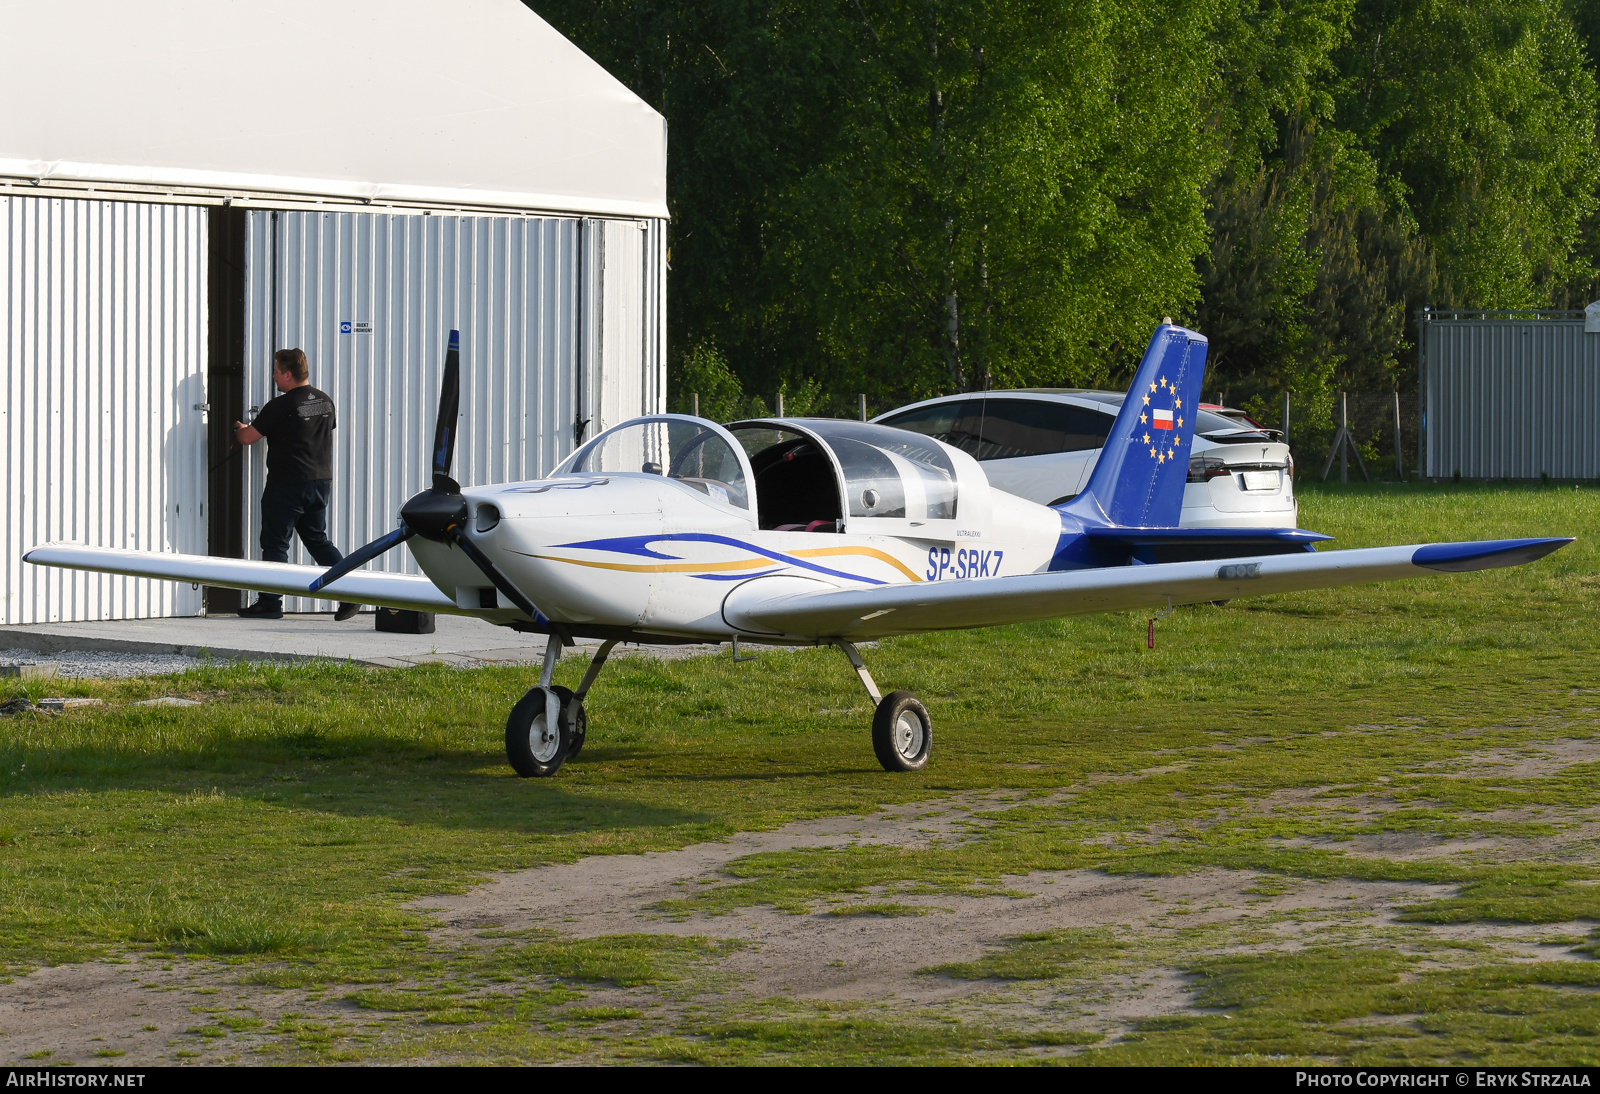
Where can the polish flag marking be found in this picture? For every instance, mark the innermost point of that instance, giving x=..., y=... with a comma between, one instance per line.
x=1163, y=419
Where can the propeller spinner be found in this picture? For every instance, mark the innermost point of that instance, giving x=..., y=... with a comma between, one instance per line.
x=438, y=513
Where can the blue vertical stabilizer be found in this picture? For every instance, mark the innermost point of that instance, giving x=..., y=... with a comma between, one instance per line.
x=1138, y=480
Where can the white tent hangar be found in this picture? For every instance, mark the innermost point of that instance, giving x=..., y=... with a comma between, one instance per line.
x=187, y=186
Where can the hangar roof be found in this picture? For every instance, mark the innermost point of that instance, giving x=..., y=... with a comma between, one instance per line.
x=432, y=102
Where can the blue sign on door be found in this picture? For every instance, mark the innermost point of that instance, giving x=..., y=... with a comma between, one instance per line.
x=344, y=327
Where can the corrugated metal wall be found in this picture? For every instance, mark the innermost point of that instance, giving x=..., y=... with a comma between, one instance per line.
x=560, y=325
x=104, y=342
x=1509, y=396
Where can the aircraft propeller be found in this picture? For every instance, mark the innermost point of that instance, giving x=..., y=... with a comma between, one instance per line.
x=440, y=512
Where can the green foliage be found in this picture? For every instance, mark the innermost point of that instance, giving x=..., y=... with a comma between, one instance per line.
x=1485, y=114
x=903, y=201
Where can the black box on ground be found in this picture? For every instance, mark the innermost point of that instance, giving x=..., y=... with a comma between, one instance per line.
x=402, y=621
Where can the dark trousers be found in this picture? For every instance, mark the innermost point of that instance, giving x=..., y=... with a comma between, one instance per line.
x=290, y=507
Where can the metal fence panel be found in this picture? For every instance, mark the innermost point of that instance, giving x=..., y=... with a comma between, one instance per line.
x=104, y=343
x=1508, y=395
x=546, y=329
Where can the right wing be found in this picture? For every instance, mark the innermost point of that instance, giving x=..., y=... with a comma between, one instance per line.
x=802, y=608
x=362, y=586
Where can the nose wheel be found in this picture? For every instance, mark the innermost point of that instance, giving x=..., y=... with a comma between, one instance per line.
x=548, y=726
x=538, y=734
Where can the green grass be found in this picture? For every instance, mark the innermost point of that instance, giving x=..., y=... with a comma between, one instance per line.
x=284, y=824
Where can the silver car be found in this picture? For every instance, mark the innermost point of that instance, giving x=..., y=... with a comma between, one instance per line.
x=1042, y=443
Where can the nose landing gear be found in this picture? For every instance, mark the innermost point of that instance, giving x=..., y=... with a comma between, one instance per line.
x=548, y=725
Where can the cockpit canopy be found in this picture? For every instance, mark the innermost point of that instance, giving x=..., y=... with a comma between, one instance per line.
x=824, y=470
x=813, y=474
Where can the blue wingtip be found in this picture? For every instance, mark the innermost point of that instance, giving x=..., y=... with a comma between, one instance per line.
x=455, y=340
x=1487, y=554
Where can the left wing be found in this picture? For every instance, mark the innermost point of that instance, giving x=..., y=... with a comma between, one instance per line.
x=797, y=607
x=362, y=587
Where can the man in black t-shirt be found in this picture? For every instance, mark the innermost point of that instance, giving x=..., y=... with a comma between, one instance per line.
x=298, y=426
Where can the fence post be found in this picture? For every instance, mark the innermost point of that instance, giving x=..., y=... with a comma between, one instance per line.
x=1399, y=460
x=780, y=404
x=1285, y=417
x=1344, y=433
x=694, y=404
x=1344, y=445
x=863, y=398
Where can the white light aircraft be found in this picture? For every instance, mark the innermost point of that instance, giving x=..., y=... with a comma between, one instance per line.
x=671, y=528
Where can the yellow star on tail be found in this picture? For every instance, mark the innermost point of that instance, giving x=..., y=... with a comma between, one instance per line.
x=1180, y=423
x=1161, y=458
x=1152, y=451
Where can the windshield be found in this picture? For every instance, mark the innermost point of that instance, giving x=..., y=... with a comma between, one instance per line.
x=677, y=449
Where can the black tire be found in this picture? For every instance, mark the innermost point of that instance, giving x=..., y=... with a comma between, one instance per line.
x=902, y=732
x=533, y=755
x=577, y=721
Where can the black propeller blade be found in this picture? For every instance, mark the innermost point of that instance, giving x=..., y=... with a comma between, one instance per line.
x=492, y=572
x=444, y=430
x=362, y=556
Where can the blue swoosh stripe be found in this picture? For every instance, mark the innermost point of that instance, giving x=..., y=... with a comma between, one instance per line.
x=639, y=545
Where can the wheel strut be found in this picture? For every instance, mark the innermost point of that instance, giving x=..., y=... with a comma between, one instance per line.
x=849, y=650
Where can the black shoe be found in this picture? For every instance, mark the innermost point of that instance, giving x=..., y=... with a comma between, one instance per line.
x=346, y=610
x=258, y=610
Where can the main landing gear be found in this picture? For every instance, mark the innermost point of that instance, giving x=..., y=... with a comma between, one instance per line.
x=902, y=732
x=548, y=725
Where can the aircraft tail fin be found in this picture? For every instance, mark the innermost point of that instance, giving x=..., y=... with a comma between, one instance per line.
x=1139, y=478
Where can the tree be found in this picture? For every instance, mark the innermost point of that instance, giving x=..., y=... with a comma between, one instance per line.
x=1484, y=113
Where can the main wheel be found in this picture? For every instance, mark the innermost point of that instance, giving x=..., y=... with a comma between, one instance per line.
x=577, y=721
x=536, y=750
x=902, y=732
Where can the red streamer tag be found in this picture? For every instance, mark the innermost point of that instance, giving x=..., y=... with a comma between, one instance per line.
x=1150, y=636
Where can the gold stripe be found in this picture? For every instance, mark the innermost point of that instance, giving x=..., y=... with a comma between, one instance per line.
x=871, y=552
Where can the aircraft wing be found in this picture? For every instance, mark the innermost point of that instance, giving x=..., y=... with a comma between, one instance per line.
x=361, y=586
x=797, y=607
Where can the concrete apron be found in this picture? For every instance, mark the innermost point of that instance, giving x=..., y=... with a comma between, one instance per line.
x=458, y=640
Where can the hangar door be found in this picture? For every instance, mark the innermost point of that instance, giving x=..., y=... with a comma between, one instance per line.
x=562, y=334
x=102, y=423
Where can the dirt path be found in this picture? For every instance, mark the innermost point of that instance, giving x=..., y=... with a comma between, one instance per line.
x=149, y=1010
x=831, y=954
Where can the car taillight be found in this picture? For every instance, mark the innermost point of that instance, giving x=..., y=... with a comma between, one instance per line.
x=1206, y=468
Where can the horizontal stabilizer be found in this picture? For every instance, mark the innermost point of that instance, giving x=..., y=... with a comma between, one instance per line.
x=362, y=587
x=788, y=607
x=1118, y=546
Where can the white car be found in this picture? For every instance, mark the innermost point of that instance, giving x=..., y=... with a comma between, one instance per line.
x=1042, y=443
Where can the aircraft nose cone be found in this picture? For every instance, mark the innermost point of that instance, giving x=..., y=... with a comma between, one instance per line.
x=432, y=514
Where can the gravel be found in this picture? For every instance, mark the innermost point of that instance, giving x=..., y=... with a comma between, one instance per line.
x=101, y=664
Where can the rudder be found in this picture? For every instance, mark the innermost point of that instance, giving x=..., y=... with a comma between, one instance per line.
x=1139, y=478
